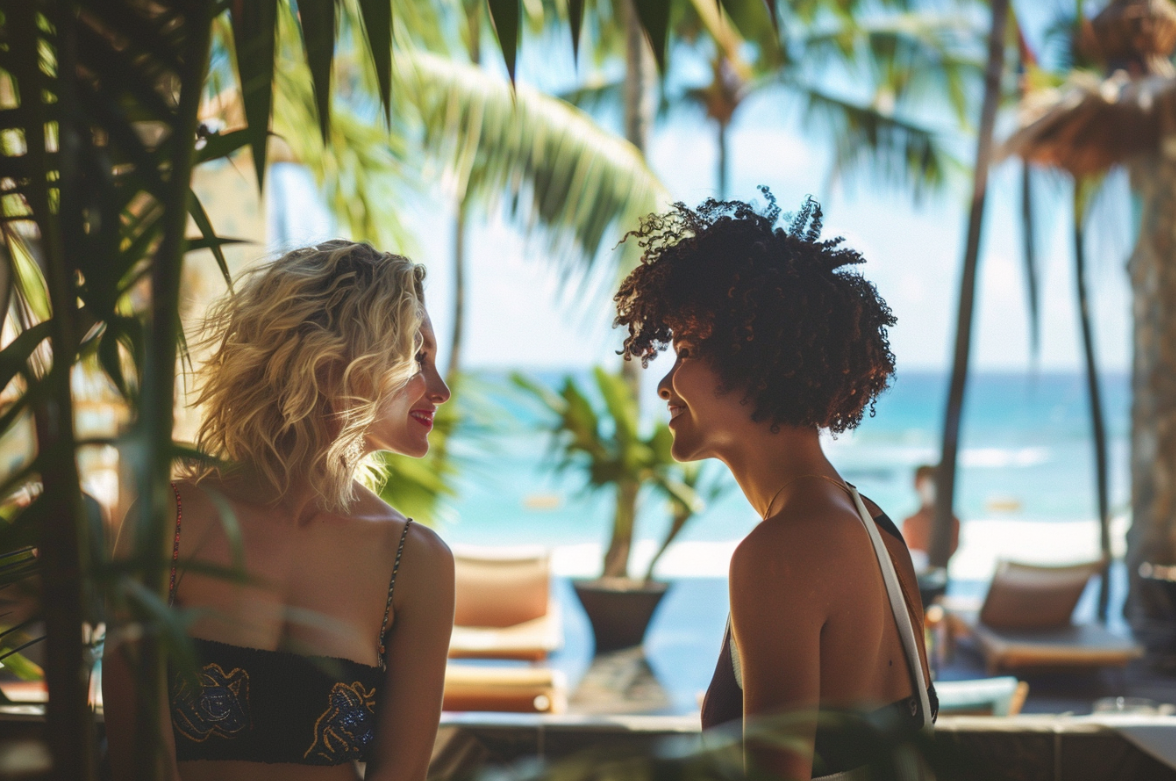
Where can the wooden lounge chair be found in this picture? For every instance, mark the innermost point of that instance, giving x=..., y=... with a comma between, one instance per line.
x=504, y=610
x=470, y=687
x=1025, y=621
x=503, y=605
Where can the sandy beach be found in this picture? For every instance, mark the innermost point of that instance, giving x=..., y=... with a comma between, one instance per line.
x=983, y=542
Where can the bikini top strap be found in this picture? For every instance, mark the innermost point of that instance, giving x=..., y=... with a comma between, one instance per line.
x=381, y=649
x=902, y=616
x=171, y=583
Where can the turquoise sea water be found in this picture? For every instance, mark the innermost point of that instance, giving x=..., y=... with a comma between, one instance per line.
x=1026, y=453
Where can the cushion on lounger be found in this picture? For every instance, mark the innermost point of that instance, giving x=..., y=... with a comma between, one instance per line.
x=1030, y=596
x=500, y=587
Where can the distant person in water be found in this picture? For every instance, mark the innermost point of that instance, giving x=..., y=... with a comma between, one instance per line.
x=916, y=529
x=776, y=339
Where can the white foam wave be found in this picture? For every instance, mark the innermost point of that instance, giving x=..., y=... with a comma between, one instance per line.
x=1003, y=458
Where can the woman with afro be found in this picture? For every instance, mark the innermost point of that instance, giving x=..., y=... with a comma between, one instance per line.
x=776, y=338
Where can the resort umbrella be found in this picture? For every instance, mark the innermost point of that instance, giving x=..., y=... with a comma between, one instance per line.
x=1086, y=127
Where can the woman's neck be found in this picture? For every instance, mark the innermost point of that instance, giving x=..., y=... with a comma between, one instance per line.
x=247, y=483
x=766, y=463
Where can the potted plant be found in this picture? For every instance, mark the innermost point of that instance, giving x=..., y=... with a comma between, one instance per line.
x=604, y=442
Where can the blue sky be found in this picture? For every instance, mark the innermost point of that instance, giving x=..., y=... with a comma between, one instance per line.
x=519, y=316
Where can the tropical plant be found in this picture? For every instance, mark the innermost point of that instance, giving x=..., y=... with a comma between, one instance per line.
x=100, y=139
x=707, y=486
x=604, y=443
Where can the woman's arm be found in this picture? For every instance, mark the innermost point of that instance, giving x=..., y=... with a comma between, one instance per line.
x=119, y=695
x=776, y=617
x=418, y=645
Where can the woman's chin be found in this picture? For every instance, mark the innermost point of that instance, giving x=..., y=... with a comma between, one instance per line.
x=682, y=452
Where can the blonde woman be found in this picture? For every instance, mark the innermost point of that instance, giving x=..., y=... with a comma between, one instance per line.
x=334, y=651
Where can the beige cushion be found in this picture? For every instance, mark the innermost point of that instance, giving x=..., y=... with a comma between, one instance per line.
x=1031, y=596
x=531, y=640
x=513, y=689
x=500, y=587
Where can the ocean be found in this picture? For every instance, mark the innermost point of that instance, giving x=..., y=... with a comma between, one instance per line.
x=1026, y=455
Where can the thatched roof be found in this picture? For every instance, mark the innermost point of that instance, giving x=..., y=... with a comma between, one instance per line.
x=1136, y=35
x=1092, y=124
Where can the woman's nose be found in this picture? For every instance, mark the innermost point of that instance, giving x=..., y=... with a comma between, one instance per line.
x=663, y=387
x=439, y=392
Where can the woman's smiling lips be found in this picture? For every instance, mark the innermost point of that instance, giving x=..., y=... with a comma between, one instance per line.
x=422, y=416
x=675, y=411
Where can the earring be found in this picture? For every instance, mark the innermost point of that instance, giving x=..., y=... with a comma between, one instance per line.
x=353, y=453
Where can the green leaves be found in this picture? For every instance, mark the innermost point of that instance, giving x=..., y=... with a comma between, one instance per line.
x=377, y=25
x=254, y=30
x=575, y=23
x=318, y=38
x=655, y=18
x=560, y=172
x=505, y=16
x=604, y=443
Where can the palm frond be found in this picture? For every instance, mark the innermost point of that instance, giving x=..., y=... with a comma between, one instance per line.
x=561, y=173
x=361, y=170
x=904, y=58
x=866, y=139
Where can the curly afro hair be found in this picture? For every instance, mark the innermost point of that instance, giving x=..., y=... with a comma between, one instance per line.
x=775, y=312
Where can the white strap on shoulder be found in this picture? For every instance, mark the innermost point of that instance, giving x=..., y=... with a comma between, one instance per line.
x=902, y=617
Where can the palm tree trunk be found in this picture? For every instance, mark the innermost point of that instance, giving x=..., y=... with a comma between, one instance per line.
x=473, y=17
x=637, y=118
x=459, y=292
x=1098, y=429
x=156, y=410
x=616, y=559
x=723, y=160
x=941, y=530
x=1029, y=247
x=1152, y=537
x=69, y=724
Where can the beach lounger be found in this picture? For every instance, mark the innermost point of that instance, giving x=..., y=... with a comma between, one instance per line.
x=1026, y=621
x=503, y=605
x=470, y=687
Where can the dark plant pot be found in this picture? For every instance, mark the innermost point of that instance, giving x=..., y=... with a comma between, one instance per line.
x=619, y=610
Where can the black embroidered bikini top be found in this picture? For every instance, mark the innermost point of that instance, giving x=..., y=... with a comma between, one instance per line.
x=256, y=705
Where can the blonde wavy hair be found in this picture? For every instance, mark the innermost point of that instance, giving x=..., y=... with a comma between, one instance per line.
x=302, y=356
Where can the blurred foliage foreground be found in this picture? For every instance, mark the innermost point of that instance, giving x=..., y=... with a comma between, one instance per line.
x=887, y=752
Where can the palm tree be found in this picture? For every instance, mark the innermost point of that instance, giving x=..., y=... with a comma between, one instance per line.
x=1124, y=117
x=903, y=60
x=940, y=545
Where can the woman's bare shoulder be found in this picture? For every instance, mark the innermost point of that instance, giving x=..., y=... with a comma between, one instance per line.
x=425, y=544
x=800, y=543
x=420, y=542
